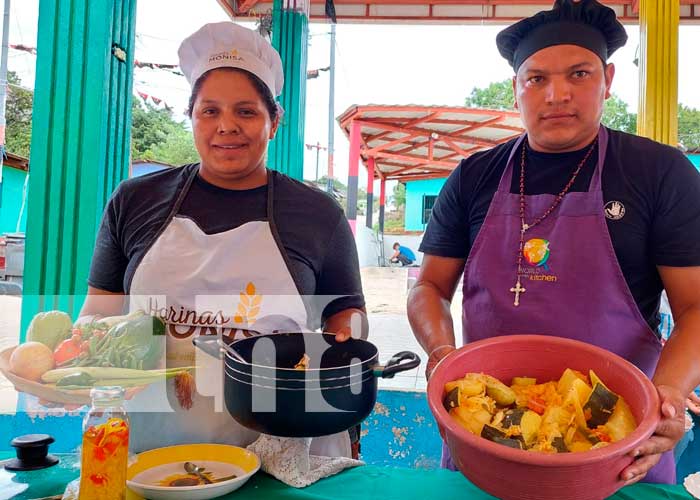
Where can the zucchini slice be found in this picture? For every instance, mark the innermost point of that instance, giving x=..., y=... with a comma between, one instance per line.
x=600, y=406
x=451, y=399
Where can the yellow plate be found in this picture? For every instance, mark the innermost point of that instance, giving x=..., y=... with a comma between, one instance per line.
x=222, y=460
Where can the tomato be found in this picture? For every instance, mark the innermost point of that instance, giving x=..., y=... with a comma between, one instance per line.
x=66, y=351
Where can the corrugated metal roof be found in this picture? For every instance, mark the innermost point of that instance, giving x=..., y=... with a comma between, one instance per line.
x=412, y=141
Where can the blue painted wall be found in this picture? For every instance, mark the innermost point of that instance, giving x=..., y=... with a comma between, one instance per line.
x=138, y=169
x=11, y=200
x=414, y=201
x=695, y=158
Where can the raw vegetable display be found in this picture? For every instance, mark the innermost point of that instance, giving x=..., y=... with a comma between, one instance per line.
x=49, y=328
x=135, y=341
x=575, y=413
x=122, y=350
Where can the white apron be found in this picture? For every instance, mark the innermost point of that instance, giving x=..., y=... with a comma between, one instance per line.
x=230, y=283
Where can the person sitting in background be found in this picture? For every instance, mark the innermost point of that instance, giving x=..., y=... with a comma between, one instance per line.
x=403, y=254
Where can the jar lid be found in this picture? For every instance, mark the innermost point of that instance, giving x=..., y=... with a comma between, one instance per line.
x=32, y=453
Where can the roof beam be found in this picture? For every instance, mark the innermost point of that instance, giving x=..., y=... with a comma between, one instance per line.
x=442, y=11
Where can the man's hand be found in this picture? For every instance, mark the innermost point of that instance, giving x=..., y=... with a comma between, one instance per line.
x=668, y=432
x=436, y=357
x=693, y=403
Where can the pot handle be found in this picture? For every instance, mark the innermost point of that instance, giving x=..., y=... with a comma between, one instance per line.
x=395, y=365
x=210, y=345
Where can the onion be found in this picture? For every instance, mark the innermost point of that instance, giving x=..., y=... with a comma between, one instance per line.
x=31, y=360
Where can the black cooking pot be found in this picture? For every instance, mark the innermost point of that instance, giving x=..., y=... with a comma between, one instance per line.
x=264, y=392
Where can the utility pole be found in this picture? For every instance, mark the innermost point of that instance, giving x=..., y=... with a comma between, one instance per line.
x=318, y=149
x=331, y=111
x=3, y=84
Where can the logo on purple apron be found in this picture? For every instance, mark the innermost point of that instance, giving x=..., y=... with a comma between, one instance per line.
x=537, y=252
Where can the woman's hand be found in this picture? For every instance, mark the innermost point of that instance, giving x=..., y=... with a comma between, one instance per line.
x=343, y=334
x=346, y=324
x=668, y=432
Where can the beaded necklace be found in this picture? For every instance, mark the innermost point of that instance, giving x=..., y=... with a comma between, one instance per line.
x=518, y=289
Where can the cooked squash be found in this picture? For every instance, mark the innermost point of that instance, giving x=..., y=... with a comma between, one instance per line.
x=468, y=386
x=579, y=445
x=500, y=392
x=490, y=432
x=527, y=421
x=498, y=436
x=523, y=381
x=599, y=406
x=512, y=417
x=595, y=379
x=567, y=379
x=559, y=445
x=621, y=423
x=573, y=405
x=510, y=442
x=451, y=399
x=473, y=421
x=554, y=417
x=580, y=389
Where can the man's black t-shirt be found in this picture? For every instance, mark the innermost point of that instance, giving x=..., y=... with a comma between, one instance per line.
x=313, y=230
x=657, y=186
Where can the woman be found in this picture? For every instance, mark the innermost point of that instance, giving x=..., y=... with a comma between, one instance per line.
x=225, y=245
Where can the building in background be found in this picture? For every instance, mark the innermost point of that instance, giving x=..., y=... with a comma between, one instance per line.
x=694, y=156
x=142, y=167
x=13, y=194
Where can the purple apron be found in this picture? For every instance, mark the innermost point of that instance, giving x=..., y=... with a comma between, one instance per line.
x=573, y=281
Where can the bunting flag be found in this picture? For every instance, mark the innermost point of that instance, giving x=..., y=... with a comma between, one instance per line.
x=156, y=100
x=24, y=48
x=172, y=68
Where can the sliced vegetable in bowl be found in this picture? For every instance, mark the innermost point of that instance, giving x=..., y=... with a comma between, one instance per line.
x=556, y=416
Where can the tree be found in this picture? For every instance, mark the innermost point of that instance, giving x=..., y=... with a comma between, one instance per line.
x=156, y=135
x=399, y=195
x=342, y=189
x=689, y=127
x=616, y=115
x=498, y=95
x=178, y=148
x=18, y=112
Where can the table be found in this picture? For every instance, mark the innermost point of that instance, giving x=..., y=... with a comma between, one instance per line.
x=366, y=483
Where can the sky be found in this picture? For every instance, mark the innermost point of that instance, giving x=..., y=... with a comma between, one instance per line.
x=375, y=64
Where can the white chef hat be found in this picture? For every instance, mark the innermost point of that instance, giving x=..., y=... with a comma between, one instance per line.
x=221, y=45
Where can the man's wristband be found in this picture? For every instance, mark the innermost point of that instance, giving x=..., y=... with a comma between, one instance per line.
x=439, y=348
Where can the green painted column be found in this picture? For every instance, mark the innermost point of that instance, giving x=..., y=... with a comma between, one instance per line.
x=80, y=143
x=290, y=31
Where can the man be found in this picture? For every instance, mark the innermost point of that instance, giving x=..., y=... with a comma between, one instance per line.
x=573, y=229
x=402, y=254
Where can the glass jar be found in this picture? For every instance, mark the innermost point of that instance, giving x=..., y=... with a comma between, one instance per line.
x=105, y=446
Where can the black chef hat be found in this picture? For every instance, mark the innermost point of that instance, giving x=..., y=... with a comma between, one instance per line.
x=587, y=24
